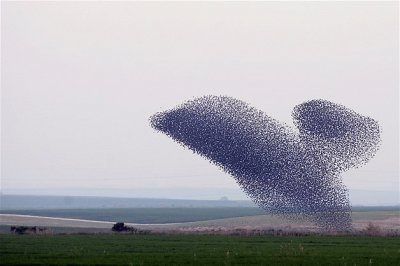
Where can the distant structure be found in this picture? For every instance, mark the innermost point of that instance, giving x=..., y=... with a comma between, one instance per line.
x=289, y=172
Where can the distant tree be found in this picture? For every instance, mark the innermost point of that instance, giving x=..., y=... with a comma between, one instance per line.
x=119, y=227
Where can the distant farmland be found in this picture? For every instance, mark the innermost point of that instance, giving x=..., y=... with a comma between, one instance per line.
x=146, y=215
x=187, y=219
x=164, y=214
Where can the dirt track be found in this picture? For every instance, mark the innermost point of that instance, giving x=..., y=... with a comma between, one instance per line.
x=13, y=219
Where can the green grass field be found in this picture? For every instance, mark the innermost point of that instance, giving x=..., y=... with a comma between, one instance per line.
x=197, y=250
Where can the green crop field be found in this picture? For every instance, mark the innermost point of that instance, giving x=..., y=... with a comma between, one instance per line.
x=113, y=249
x=181, y=215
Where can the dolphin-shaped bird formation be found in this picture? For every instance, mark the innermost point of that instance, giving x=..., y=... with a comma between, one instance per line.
x=286, y=171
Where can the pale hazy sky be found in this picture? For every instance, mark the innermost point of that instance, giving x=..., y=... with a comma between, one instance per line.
x=80, y=80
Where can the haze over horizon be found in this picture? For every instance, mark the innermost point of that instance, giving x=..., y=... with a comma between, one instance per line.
x=80, y=81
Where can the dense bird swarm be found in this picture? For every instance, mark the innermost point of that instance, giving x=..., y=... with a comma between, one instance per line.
x=289, y=172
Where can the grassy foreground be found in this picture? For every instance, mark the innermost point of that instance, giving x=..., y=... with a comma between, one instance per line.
x=197, y=250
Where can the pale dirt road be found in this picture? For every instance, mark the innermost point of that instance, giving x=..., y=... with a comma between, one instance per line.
x=29, y=220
